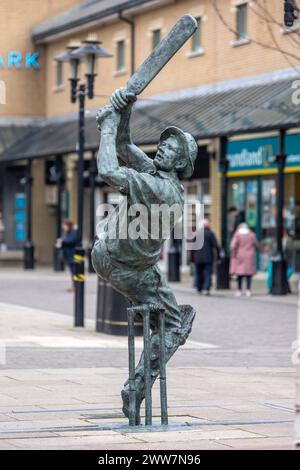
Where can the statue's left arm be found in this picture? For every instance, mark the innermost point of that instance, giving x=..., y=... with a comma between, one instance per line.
x=107, y=161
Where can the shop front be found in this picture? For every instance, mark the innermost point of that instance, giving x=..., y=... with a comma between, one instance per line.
x=252, y=190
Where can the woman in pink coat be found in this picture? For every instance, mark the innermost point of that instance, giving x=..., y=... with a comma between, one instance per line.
x=243, y=248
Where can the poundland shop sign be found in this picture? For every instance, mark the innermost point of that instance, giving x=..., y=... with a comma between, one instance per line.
x=17, y=60
x=259, y=155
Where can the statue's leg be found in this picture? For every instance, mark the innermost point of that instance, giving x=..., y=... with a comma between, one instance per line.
x=100, y=259
x=146, y=287
x=155, y=290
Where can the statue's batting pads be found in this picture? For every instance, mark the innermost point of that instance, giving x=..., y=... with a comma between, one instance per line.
x=160, y=56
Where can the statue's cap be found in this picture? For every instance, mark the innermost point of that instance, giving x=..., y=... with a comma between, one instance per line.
x=190, y=148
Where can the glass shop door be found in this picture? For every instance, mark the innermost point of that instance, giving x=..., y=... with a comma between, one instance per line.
x=244, y=195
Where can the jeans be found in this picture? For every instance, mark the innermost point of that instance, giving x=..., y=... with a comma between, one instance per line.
x=240, y=282
x=203, y=276
x=69, y=260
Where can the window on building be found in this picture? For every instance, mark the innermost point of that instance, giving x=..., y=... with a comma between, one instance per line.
x=59, y=74
x=120, y=55
x=241, y=21
x=196, y=38
x=156, y=37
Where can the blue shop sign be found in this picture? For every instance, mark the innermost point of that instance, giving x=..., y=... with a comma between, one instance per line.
x=20, y=217
x=255, y=156
x=17, y=60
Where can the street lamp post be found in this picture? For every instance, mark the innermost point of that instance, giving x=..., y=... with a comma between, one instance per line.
x=279, y=265
x=223, y=277
x=28, y=247
x=58, y=262
x=92, y=181
x=89, y=51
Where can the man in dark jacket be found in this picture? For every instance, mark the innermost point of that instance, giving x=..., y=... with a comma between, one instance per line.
x=204, y=259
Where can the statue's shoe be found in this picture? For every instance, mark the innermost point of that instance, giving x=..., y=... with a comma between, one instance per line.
x=187, y=317
x=125, y=409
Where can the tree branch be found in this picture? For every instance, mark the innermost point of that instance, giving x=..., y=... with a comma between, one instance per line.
x=276, y=47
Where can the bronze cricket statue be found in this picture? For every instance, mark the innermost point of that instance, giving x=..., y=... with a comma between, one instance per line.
x=130, y=265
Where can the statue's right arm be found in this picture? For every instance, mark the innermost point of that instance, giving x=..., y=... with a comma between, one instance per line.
x=127, y=151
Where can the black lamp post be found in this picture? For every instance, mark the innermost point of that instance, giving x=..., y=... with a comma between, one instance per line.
x=28, y=247
x=223, y=278
x=58, y=261
x=92, y=180
x=280, y=284
x=89, y=51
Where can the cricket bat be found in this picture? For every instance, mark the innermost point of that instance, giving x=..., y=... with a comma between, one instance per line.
x=160, y=56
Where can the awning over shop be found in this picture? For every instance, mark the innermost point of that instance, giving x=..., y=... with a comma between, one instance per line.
x=10, y=134
x=205, y=112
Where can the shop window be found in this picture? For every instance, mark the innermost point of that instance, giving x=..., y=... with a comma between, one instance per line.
x=121, y=56
x=268, y=209
x=251, y=209
x=156, y=37
x=59, y=74
x=241, y=21
x=196, y=38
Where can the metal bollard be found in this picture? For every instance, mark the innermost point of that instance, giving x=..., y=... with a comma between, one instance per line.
x=144, y=311
x=29, y=261
x=79, y=278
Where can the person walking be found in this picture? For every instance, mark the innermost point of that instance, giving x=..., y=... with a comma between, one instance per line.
x=243, y=248
x=68, y=242
x=204, y=259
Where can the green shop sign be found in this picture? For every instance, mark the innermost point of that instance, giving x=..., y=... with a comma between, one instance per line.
x=259, y=155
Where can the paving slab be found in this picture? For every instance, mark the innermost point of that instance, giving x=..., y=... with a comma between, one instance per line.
x=78, y=442
x=196, y=435
x=269, y=430
x=258, y=444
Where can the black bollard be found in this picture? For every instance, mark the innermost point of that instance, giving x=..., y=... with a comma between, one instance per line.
x=173, y=264
x=223, y=276
x=58, y=259
x=280, y=284
x=111, y=313
x=28, y=256
x=79, y=278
